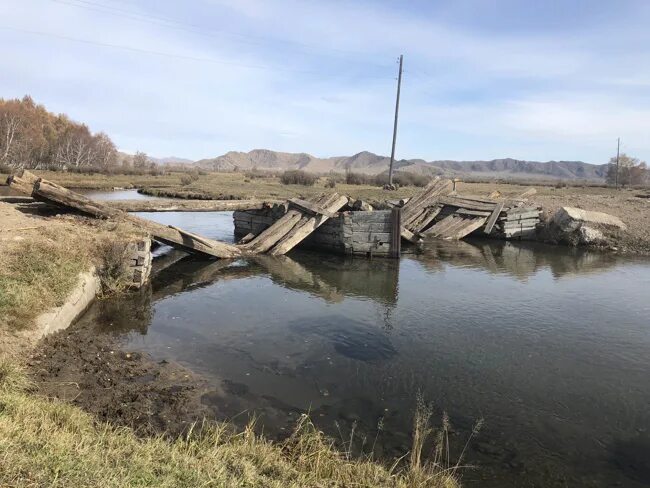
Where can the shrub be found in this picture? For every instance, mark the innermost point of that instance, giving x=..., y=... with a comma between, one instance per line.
x=298, y=177
x=257, y=173
x=330, y=183
x=410, y=179
x=191, y=177
x=358, y=179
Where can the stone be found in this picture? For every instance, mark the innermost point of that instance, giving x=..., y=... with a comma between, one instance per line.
x=571, y=218
x=590, y=236
x=576, y=226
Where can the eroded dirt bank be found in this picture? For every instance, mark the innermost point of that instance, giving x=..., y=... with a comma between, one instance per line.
x=131, y=389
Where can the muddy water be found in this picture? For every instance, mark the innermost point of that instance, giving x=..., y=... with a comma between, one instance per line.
x=551, y=347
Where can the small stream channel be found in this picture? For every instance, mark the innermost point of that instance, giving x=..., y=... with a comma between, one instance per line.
x=549, y=345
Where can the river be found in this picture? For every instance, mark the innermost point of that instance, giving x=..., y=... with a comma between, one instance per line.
x=550, y=346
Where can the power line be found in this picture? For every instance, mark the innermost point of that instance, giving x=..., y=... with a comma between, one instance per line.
x=157, y=53
x=196, y=28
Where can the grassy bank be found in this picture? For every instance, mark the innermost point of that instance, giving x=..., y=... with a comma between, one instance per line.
x=51, y=443
x=41, y=259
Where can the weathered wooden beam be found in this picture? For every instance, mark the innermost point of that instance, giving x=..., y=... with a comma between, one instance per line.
x=493, y=218
x=50, y=192
x=309, y=225
x=21, y=185
x=395, y=232
x=308, y=207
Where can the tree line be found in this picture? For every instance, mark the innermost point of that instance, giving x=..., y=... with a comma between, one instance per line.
x=31, y=137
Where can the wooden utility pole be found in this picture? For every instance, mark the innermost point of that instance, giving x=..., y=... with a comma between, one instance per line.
x=392, y=152
x=618, y=152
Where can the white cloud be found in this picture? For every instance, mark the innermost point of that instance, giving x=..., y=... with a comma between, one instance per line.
x=467, y=93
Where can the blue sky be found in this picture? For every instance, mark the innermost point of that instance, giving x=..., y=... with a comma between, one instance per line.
x=483, y=79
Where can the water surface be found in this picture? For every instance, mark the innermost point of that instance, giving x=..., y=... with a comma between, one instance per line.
x=550, y=346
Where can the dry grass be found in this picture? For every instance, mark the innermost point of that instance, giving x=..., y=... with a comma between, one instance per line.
x=40, y=266
x=50, y=443
x=239, y=186
x=107, y=182
x=36, y=275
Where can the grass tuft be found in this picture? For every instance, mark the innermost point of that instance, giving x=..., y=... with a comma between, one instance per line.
x=38, y=272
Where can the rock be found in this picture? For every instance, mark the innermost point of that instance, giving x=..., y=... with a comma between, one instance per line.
x=589, y=236
x=571, y=218
x=576, y=226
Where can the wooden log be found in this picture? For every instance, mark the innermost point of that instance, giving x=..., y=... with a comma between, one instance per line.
x=20, y=185
x=493, y=218
x=50, y=192
x=188, y=205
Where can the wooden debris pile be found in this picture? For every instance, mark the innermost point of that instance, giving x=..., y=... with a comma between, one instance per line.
x=439, y=212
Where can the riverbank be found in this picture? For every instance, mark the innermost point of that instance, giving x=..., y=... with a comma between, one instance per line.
x=80, y=411
x=45, y=442
x=632, y=206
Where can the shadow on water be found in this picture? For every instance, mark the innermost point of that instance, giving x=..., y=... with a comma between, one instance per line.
x=353, y=340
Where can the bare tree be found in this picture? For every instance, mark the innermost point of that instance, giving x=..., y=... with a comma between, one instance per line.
x=140, y=160
x=630, y=171
x=9, y=125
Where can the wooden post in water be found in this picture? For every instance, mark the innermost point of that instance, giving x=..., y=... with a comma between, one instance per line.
x=396, y=232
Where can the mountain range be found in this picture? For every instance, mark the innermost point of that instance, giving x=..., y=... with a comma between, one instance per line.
x=370, y=163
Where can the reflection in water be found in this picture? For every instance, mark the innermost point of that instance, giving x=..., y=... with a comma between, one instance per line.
x=558, y=367
x=518, y=259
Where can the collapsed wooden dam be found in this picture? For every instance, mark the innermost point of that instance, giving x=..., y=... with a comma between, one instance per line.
x=329, y=222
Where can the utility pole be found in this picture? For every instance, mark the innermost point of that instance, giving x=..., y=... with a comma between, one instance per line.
x=618, y=151
x=392, y=153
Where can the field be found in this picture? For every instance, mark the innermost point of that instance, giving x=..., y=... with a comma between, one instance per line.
x=631, y=205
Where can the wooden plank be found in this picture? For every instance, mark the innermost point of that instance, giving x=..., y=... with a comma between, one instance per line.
x=509, y=217
x=307, y=225
x=309, y=207
x=473, y=213
x=196, y=237
x=470, y=226
x=461, y=202
x=493, y=218
x=410, y=236
x=426, y=198
x=47, y=191
x=395, y=234
x=457, y=226
x=442, y=225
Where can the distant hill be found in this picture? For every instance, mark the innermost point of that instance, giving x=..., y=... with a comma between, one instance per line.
x=370, y=163
x=171, y=160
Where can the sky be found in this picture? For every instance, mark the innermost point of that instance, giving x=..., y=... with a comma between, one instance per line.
x=552, y=80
